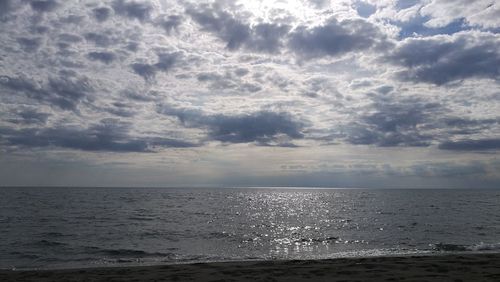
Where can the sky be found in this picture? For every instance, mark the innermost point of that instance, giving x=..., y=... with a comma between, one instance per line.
x=316, y=93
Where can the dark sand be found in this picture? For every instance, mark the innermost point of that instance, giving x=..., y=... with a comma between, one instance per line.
x=459, y=267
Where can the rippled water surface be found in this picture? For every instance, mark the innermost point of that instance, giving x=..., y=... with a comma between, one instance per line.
x=79, y=227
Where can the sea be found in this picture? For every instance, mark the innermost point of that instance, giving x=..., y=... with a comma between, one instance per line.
x=48, y=228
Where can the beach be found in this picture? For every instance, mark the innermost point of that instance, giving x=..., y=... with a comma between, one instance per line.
x=449, y=267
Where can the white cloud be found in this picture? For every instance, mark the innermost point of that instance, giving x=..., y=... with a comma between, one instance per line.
x=482, y=13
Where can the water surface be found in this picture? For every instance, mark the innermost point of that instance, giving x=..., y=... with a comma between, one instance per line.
x=81, y=227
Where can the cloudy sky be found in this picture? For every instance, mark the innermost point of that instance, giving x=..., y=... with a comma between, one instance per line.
x=340, y=93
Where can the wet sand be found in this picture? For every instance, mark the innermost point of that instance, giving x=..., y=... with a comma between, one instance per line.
x=457, y=267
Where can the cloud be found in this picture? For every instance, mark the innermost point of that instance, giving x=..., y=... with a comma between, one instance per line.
x=120, y=109
x=331, y=39
x=5, y=7
x=229, y=29
x=483, y=13
x=240, y=78
x=471, y=145
x=147, y=71
x=228, y=81
x=29, y=44
x=169, y=23
x=393, y=123
x=29, y=116
x=166, y=61
x=43, y=5
x=65, y=92
x=109, y=135
x=261, y=37
x=104, y=57
x=443, y=59
x=263, y=127
x=267, y=38
x=335, y=38
x=132, y=9
x=102, y=13
x=136, y=96
x=70, y=38
x=99, y=39
x=319, y=4
x=467, y=126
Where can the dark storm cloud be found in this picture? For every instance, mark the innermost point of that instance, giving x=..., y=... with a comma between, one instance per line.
x=394, y=123
x=335, y=38
x=169, y=23
x=104, y=57
x=108, y=135
x=262, y=37
x=43, y=5
x=102, y=13
x=133, y=9
x=65, y=92
x=262, y=127
x=471, y=145
x=166, y=61
x=439, y=61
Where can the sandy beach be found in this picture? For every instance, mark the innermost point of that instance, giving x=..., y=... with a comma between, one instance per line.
x=457, y=267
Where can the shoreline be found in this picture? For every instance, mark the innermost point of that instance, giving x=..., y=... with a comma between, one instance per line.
x=435, y=267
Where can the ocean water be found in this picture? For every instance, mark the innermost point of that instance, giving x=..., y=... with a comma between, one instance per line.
x=89, y=227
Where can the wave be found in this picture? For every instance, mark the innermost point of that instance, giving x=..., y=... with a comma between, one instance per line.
x=25, y=255
x=127, y=253
x=485, y=247
x=449, y=247
x=317, y=240
x=142, y=218
x=47, y=243
x=463, y=248
x=305, y=241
